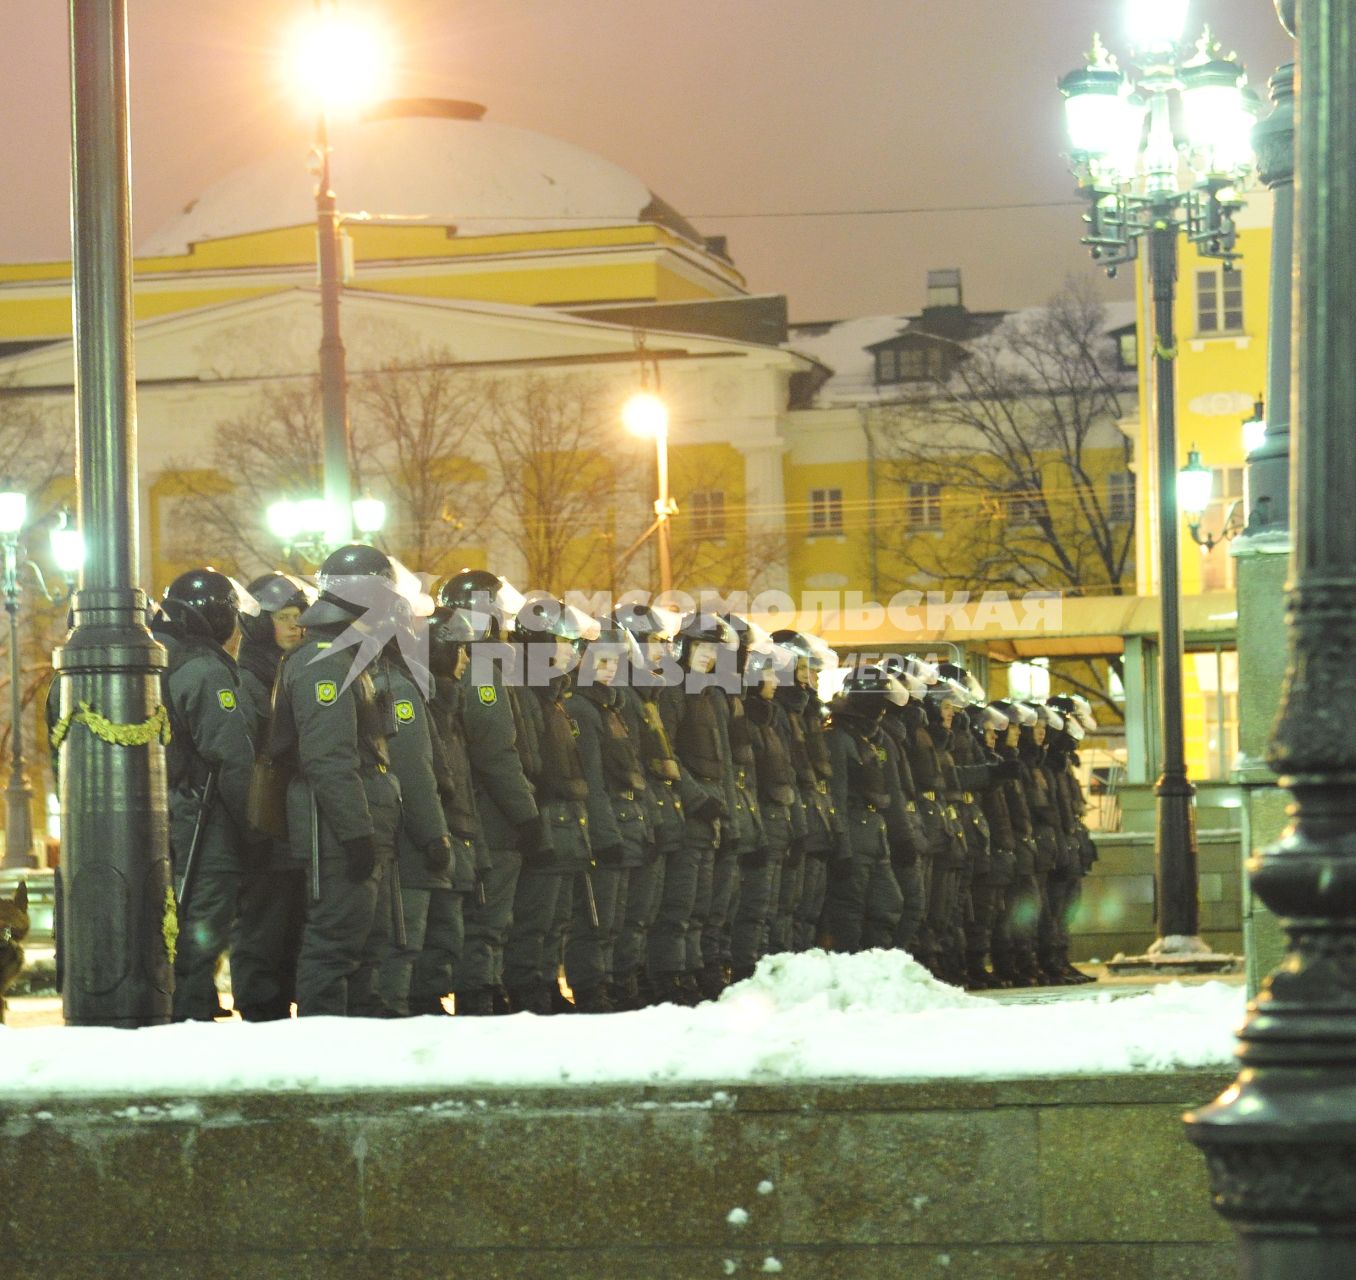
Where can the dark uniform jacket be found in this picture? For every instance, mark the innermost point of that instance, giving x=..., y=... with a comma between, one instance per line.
x=743, y=833
x=810, y=760
x=210, y=732
x=561, y=786
x=695, y=728
x=618, y=829
x=663, y=802
x=862, y=785
x=1040, y=803
x=503, y=794
x=411, y=749
x=907, y=831
x=337, y=736
x=456, y=785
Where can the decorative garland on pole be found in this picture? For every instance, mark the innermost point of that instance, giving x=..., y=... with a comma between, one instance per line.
x=118, y=735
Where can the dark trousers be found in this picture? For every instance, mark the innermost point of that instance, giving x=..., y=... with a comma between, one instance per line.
x=589, y=949
x=206, y=919
x=669, y=942
x=529, y=959
x=266, y=942
x=481, y=963
x=643, y=892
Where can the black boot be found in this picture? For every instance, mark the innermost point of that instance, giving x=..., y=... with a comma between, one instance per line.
x=528, y=1000
x=474, y=1004
x=594, y=1000
x=430, y=1006
x=711, y=981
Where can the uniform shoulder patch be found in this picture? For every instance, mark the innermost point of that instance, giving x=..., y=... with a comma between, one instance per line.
x=326, y=692
x=404, y=711
x=226, y=697
x=488, y=694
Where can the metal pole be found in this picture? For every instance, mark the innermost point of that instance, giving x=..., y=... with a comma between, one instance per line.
x=1281, y=1141
x=1175, y=847
x=18, y=797
x=661, y=511
x=118, y=905
x=333, y=361
x=1269, y=465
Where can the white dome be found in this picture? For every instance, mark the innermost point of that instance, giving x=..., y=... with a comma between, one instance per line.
x=432, y=160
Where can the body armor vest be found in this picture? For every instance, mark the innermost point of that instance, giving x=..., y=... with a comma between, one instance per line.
x=867, y=781
x=562, y=772
x=776, y=776
x=699, y=737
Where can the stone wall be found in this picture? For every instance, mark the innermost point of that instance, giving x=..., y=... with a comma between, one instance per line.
x=1069, y=1178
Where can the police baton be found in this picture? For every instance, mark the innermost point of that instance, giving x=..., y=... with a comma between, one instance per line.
x=209, y=793
x=315, y=848
x=593, y=902
x=398, y=906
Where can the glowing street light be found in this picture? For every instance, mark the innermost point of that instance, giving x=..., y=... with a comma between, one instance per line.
x=339, y=59
x=646, y=415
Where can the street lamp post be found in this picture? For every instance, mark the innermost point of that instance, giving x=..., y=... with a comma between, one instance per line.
x=68, y=553
x=337, y=60
x=645, y=415
x=1280, y=1142
x=117, y=904
x=305, y=527
x=1150, y=172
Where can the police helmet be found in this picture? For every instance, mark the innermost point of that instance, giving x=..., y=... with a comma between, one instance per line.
x=1076, y=707
x=353, y=582
x=973, y=689
x=916, y=676
x=705, y=628
x=868, y=691
x=1017, y=713
x=1047, y=715
x=208, y=602
x=275, y=591
x=612, y=640
x=983, y=719
x=807, y=646
x=1064, y=704
x=546, y=618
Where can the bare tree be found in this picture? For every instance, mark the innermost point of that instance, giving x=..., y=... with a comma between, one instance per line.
x=1011, y=454
x=416, y=426
x=554, y=440
x=1020, y=438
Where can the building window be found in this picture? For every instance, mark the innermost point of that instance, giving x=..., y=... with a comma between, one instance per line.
x=1216, y=675
x=924, y=510
x=1217, y=566
x=1120, y=497
x=1029, y=680
x=1127, y=350
x=706, y=507
x=1219, y=301
x=826, y=511
x=1024, y=509
x=909, y=364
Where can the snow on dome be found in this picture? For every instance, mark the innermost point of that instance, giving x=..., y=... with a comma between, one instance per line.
x=425, y=159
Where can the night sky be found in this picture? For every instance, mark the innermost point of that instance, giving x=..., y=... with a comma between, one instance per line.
x=722, y=106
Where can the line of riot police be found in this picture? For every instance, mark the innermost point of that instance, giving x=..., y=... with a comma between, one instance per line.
x=388, y=799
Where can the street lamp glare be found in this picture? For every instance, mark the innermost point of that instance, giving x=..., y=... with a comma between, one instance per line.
x=68, y=546
x=339, y=60
x=1219, y=115
x=1195, y=485
x=369, y=514
x=284, y=520
x=13, y=509
x=313, y=515
x=1156, y=25
x=646, y=415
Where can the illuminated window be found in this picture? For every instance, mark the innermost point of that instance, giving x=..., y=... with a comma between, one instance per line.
x=1219, y=301
x=1029, y=681
x=1120, y=497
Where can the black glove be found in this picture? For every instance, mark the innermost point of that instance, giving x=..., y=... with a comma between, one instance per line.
x=534, y=843
x=609, y=856
x=841, y=868
x=360, y=858
x=708, y=810
x=796, y=849
x=1006, y=770
x=438, y=856
x=754, y=858
x=530, y=835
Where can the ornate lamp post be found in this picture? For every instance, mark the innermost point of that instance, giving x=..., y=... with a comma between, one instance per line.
x=646, y=416
x=1155, y=157
x=68, y=552
x=1281, y=1141
x=117, y=904
x=305, y=527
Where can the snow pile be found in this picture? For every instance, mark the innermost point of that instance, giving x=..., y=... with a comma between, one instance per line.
x=807, y=1017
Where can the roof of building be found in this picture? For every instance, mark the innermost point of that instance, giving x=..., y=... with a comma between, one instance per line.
x=432, y=161
x=847, y=347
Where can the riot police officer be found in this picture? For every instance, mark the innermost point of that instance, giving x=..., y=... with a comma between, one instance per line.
x=801, y=893
x=781, y=811
x=653, y=634
x=273, y=893
x=618, y=816
x=860, y=879
x=429, y=905
x=695, y=712
x=503, y=754
x=208, y=764
x=550, y=634
x=1014, y=951
x=1051, y=853
x=1081, y=853
x=343, y=804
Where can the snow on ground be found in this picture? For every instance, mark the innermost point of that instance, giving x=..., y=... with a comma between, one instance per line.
x=813, y=1016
